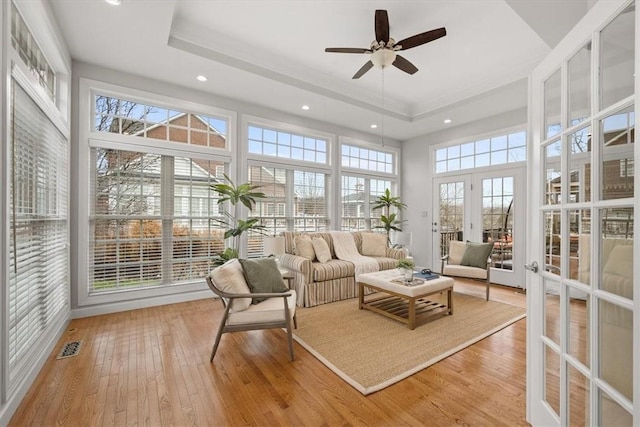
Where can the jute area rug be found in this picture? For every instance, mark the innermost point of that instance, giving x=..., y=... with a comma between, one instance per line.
x=371, y=352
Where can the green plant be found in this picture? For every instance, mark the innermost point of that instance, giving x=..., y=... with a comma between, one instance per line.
x=244, y=194
x=389, y=219
x=405, y=263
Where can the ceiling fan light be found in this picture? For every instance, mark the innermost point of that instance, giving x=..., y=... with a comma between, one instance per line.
x=383, y=57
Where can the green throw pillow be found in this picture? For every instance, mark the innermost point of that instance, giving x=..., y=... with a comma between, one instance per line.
x=476, y=254
x=262, y=275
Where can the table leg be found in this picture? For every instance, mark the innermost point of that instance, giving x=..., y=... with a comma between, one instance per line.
x=450, y=300
x=412, y=313
x=360, y=295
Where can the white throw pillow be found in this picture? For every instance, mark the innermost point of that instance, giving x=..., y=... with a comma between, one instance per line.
x=229, y=277
x=374, y=244
x=456, y=252
x=304, y=248
x=321, y=248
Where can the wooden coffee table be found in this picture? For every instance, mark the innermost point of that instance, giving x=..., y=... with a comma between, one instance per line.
x=403, y=302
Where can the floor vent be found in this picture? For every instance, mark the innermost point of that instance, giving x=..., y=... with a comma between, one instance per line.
x=70, y=349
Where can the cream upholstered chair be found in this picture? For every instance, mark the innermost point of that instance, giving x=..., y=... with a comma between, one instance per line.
x=275, y=310
x=464, y=260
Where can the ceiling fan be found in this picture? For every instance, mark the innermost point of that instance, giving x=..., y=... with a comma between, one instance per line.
x=384, y=49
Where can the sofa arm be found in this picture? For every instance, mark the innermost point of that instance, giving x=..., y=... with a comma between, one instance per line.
x=297, y=264
x=397, y=253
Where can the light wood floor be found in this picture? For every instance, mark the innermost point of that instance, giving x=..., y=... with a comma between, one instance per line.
x=151, y=367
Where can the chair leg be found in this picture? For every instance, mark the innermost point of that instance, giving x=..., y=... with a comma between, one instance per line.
x=295, y=322
x=218, y=336
x=488, y=285
x=290, y=339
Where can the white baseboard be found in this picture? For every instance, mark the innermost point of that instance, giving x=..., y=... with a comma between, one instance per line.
x=96, y=310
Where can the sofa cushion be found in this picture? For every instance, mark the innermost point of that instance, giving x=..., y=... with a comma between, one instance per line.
x=477, y=254
x=304, y=248
x=262, y=275
x=331, y=270
x=229, y=278
x=321, y=247
x=374, y=244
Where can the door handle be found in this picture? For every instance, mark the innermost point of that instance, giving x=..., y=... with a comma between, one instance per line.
x=533, y=267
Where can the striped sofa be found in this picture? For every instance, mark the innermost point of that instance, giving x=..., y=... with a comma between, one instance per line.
x=320, y=283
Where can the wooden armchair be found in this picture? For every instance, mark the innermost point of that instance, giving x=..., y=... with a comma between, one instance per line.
x=464, y=260
x=278, y=310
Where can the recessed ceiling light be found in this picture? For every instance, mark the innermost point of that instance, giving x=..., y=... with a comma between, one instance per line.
x=447, y=120
x=374, y=126
x=114, y=2
x=305, y=107
x=201, y=78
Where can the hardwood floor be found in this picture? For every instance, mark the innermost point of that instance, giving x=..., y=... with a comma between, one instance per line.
x=151, y=367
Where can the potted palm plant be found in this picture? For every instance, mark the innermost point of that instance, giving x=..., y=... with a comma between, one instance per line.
x=244, y=194
x=389, y=219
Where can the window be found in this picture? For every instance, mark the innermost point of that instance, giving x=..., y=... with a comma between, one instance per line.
x=154, y=219
x=497, y=150
x=126, y=117
x=285, y=145
x=358, y=196
x=296, y=201
x=38, y=259
x=367, y=159
x=28, y=50
x=359, y=189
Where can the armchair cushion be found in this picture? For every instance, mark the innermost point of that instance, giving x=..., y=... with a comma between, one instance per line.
x=304, y=248
x=263, y=276
x=269, y=310
x=476, y=254
x=456, y=252
x=229, y=278
x=374, y=244
x=321, y=248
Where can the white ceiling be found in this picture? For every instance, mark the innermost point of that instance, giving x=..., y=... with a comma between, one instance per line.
x=271, y=53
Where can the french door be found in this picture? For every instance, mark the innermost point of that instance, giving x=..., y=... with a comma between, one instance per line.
x=483, y=207
x=583, y=307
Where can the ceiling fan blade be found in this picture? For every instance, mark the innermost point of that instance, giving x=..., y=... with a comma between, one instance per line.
x=347, y=50
x=422, y=38
x=404, y=65
x=382, y=26
x=366, y=67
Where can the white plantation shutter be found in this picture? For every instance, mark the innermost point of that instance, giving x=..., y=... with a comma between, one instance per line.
x=38, y=229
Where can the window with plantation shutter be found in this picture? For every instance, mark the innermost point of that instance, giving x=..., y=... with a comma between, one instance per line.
x=38, y=229
x=154, y=219
x=296, y=200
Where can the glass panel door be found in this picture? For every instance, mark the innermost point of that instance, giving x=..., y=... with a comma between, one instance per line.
x=502, y=220
x=451, y=213
x=581, y=303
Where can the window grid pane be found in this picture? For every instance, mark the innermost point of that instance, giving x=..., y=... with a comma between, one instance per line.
x=269, y=142
x=497, y=150
x=127, y=117
x=367, y=159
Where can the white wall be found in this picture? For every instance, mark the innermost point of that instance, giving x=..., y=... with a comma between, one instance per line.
x=416, y=176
